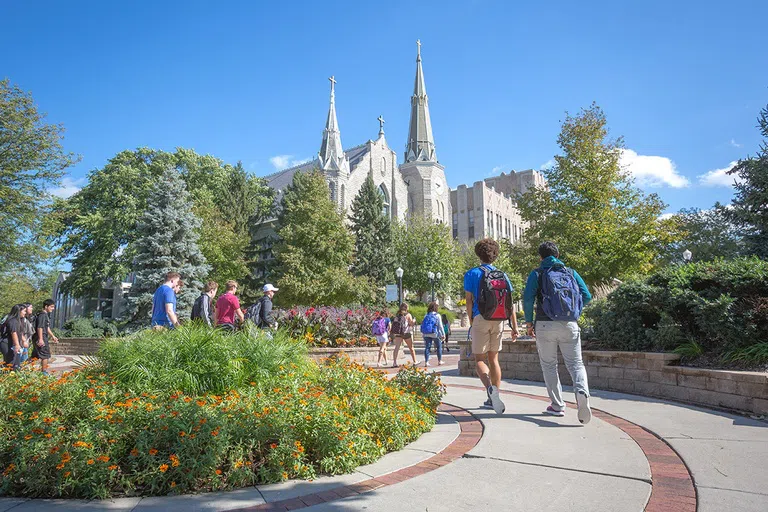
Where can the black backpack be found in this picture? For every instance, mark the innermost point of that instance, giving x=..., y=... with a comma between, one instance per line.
x=197, y=307
x=253, y=313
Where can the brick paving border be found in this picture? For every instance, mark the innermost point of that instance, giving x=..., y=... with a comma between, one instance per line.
x=672, y=488
x=471, y=432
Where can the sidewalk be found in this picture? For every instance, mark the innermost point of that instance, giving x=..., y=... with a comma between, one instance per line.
x=527, y=461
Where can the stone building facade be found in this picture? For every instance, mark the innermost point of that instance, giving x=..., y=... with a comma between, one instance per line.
x=488, y=207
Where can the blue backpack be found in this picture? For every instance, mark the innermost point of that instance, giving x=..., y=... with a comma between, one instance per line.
x=429, y=324
x=560, y=294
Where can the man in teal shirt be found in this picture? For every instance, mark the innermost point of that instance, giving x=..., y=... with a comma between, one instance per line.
x=553, y=333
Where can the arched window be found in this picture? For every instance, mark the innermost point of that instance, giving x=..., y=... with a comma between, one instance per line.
x=385, y=196
x=332, y=187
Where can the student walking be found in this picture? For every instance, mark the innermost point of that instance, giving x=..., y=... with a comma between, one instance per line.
x=203, y=308
x=402, y=330
x=12, y=336
x=559, y=294
x=447, y=329
x=261, y=312
x=380, y=330
x=43, y=335
x=164, y=303
x=228, y=308
x=489, y=304
x=433, y=332
x=29, y=330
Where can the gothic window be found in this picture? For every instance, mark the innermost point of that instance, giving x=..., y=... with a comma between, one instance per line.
x=332, y=187
x=385, y=196
x=383, y=166
x=343, y=193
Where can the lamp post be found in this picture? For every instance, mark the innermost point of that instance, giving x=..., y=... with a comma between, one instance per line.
x=687, y=255
x=431, y=277
x=399, y=274
x=438, y=277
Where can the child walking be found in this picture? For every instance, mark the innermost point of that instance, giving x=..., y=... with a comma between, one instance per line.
x=380, y=330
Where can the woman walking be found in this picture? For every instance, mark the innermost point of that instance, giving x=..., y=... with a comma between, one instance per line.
x=402, y=330
x=12, y=336
x=433, y=331
x=380, y=330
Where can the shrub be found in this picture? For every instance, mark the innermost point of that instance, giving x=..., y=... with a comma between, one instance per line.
x=426, y=385
x=81, y=327
x=713, y=308
x=419, y=311
x=95, y=434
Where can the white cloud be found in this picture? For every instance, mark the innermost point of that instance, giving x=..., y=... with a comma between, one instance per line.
x=719, y=177
x=652, y=171
x=69, y=187
x=281, y=162
x=736, y=144
x=546, y=165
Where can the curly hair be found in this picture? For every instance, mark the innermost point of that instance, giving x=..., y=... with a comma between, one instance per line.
x=547, y=249
x=487, y=250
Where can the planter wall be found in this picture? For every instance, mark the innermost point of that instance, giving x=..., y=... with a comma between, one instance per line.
x=642, y=373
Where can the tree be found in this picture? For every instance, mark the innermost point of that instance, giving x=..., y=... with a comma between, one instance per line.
x=167, y=236
x=373, y=235
x=604, y=226
x=422, y=246
x=315, y=248
x=749, y=208
x=29, y=287
x=31, y=159
x=97, y=226
x=706, y=233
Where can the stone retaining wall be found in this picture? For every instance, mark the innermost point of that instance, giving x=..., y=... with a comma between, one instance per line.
x=642, y=373
x=360, y=355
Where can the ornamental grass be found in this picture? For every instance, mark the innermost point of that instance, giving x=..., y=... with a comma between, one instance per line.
x=195, y=410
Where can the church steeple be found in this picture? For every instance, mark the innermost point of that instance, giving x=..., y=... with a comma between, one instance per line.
x=421, y=144
x=331, y=154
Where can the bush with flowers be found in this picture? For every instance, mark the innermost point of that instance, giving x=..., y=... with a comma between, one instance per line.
x=193, y=420
x=329, y=326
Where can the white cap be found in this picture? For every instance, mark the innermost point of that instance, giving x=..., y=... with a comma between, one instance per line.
x=269, y=288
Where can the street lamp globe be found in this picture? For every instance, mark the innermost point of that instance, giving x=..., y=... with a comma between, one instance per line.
x=430, y=275
x=399, y=272
x=439, y=276
x=687, y=255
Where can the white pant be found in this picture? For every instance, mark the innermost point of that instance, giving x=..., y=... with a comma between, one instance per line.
x=566, y=335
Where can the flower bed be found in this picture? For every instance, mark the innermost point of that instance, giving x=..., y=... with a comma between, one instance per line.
x=329, y=326
x=118, y=428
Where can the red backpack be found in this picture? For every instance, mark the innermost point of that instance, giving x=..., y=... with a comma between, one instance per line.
x=494, y=299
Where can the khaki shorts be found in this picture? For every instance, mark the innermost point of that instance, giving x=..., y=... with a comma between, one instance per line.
x=486, y=335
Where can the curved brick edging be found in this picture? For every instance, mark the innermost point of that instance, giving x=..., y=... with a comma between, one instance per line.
x=672, y=486
x=471, y=432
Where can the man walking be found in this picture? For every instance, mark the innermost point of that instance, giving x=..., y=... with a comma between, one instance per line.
x=266, y=320
x=559, y=294
x=203, y=306
x=228, y=307
x=489, y=303
x=43, y=334
x=164, y=303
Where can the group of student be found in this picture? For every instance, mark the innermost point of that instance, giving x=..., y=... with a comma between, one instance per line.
x=555, y=296
x=226, y=313
x=435, y=328
x=24, y=334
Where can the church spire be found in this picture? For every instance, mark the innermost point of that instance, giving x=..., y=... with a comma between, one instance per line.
x=331, y=152
x=421, y=144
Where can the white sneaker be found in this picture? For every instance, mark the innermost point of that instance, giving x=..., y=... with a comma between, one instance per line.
x=426, y=363
x=585, y=414
x=498, y=405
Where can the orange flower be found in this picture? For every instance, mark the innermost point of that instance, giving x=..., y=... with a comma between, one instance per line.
x=285, y=475
x=112, y=467
x=273, y=445
x=163, y=468
x=174, y=460
x=173, y=484
x=215, y=433
x=134, y=452
x=27, y=437
x=218, y=471
x=90, y=461
x=182, y=434
x=152, y=451
x=102, y=458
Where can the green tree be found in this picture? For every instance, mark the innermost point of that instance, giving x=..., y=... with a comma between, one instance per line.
x=315, y=248
x=706, y=233
x=421, y=246
x=604, y=226
x=167, y=236
x=373, y=235
x=16, y=287
x=749, y=208
x=97, y=226
x=31, y=160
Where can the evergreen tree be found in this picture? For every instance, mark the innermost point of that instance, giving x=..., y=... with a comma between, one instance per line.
x=749, y=208
x=315, y=250
x=167, y=240
x=373, y=235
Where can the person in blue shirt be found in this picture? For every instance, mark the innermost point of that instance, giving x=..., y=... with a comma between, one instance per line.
x=486, y=334
x=550, y=334
x=164, y=303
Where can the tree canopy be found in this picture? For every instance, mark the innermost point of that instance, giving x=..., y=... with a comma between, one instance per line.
x=373, y=235
x=604, y=226
x=31, y=161
x=315, y=248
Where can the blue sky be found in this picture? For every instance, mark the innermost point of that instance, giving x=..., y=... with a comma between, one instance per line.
x=682, y=81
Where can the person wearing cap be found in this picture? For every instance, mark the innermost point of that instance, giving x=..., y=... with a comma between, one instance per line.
x=267, y=320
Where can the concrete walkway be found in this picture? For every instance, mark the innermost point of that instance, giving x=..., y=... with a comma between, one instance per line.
x=524, y=460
